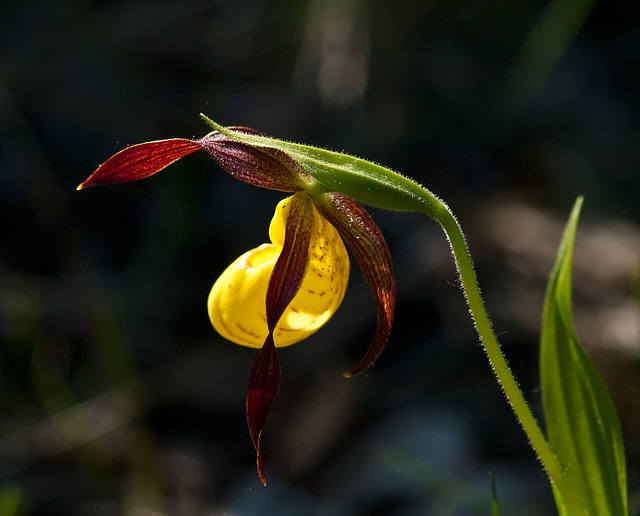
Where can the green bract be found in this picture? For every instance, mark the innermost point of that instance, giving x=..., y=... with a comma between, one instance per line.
x=356, y=178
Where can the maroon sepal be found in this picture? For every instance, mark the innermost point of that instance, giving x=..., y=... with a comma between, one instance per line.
x=261, y=166
x=370, y=251
x=140, y=161
x=284, y=284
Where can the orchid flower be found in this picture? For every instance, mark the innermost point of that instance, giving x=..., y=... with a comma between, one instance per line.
x=279, y=293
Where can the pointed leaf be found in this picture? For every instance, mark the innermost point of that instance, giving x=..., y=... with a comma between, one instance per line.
x=140, y=161
x=582, y=426
x=365, y=240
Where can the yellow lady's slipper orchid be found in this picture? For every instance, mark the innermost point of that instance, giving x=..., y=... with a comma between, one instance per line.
x=237, y=306
x=279, y=293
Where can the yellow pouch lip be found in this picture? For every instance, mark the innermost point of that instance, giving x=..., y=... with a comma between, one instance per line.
x=237, y=301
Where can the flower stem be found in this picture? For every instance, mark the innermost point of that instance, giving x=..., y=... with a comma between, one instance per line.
x=464, y=264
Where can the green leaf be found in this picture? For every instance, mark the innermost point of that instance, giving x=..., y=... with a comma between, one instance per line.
x=494, y=495
x=354, y=177
x=11, y=498
x=582, y=425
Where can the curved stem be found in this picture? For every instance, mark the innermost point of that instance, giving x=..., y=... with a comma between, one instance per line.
x=497, y=360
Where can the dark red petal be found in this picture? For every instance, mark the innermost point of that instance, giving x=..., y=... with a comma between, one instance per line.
x=284, y=284
x=291, y=265
x=370, y=250
x=264, y=384
x=260, y=166
x=140, y=161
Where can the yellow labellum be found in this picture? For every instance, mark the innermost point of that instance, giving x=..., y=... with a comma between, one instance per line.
x=237, y=306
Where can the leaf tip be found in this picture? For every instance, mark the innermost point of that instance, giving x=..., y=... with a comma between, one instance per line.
x=211, y=123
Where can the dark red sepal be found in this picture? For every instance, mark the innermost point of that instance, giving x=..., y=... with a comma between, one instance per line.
x=140, y=161
x=369, y=249
x=284, y=283
x=261, y=166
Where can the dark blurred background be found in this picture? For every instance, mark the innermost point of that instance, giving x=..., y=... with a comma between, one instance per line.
x=117, y=396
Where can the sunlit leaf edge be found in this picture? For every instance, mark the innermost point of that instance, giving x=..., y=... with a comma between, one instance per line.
x=582, y=425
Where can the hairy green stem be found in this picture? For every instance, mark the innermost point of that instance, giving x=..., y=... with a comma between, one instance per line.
x=497, y=360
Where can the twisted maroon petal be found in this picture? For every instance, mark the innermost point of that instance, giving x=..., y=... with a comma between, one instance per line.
x=291, y=265
x=370, y=251
x=284, y=284
x=264, y=383
x=140, y=161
